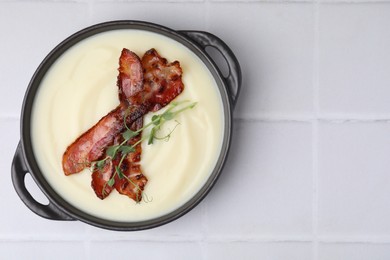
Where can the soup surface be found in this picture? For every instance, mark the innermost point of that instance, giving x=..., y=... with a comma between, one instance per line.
x=80, y=88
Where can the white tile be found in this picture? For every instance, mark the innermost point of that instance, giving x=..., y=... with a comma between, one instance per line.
x=259, y=250
x=274, y=43
x=150, y=2
x=9, y=139
x=266, y=186
x=18, y=220
x=257, y=1
x=33, y=30
x=361, y=251
x=354, y=179
x=354, y=59
x=353, y=1
x=145, y=250
x=177, y=16
x=43, y=250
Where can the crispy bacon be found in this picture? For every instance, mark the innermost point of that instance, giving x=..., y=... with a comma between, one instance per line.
x=133, y=182
x=162, y=80
x=90, y=145
x=100, y=178
x=143, y=85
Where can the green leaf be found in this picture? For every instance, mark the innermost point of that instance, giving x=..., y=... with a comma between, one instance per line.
x=129, y=134
x=168, y=115
x=156, y=119
x=151, y=136
x=111, y=182
x=125, y=149
x=119, y=171
x=112, y=150
x=100, y=164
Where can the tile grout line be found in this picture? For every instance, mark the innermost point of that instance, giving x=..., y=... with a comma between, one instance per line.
x=248, y=2
x=315, y=137
x=9, y=116
x=315, y=117
x=315, y=179
x=88, y=240
x=356, y=2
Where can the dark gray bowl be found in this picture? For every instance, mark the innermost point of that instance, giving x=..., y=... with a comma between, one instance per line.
x=24, y=160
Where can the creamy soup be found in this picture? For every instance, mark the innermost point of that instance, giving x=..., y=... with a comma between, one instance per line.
x=80, y=88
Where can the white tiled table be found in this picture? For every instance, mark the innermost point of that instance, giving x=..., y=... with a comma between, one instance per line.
x=311, y=147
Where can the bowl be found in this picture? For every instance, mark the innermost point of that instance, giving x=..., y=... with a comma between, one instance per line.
x=25, y=159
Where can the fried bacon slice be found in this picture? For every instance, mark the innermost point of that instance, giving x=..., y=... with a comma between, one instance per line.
x=133, y=182
x=143, y=85
x=130, y=83
x=162, y=80
x=90, y=146
x=100, y=178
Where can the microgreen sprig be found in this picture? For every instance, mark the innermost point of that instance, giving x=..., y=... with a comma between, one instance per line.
x=157, y=121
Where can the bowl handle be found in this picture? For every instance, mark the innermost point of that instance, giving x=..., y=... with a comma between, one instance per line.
x=234, y=78
x=19, y=170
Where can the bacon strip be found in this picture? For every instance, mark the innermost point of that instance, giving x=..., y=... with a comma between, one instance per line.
x=90, y=145
x=162, y=80
x=130, y=83
x=133, y=184
x=100, y=178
